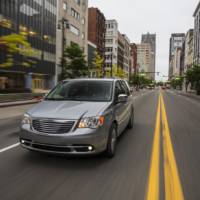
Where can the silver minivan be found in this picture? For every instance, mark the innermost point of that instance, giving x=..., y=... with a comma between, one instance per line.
x=79, y=116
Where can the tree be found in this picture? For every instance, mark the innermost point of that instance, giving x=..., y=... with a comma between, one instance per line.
x=119, y=72
x=74, y=64
x=98, y=65
x=107, y=73
x=177, y=82
x=135, y=80
x=193, y=76
x=16, y=44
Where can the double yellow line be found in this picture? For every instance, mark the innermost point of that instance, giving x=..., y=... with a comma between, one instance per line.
x=173, y=189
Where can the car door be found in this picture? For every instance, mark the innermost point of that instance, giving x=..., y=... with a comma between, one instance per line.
x=120, y=107
x=127, y=105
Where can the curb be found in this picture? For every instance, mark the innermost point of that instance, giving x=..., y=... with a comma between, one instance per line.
x=189, y=96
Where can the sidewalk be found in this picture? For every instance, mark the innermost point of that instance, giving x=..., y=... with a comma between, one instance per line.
x=188, y=94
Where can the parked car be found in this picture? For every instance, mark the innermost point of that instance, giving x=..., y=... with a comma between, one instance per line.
x=79, y=116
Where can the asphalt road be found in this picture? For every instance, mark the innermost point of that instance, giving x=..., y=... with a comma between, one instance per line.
x=25, y=175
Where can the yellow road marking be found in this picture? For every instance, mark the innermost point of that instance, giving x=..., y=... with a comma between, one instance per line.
x=153, y=182
x=173, y=189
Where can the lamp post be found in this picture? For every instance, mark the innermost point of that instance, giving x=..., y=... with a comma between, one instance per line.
x=62, y=25
x=111, y=71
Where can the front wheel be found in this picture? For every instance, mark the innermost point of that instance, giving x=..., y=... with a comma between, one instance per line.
x=112, y=141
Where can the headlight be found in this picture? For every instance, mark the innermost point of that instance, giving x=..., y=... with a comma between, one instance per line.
x=91, y=122
x=26, y=119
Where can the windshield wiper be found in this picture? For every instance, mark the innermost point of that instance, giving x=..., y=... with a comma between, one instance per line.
x=54, y=99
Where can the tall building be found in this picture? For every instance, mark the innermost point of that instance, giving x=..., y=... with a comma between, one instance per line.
x=37, y=20
x=111, y=44
x=196, y=16
x=134, y=58
x=176, y=42
x=97, y=29
x=189, y=49
x=72, y=23
x=177, y=62
x=117, y=51
x=151, y=39
x=120, y=51
x=144, y=58
x=127, y=55
x=92, y=48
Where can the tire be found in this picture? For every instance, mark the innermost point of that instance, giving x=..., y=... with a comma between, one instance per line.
x=131, y=121
x=112, y=142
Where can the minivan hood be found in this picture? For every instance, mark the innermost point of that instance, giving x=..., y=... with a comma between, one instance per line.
x=67, y=109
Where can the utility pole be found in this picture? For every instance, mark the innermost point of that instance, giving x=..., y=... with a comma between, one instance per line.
x=111, y=71
x=63, y=24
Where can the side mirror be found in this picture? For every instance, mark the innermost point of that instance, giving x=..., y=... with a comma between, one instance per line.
x=131, y=90
x=122, y=98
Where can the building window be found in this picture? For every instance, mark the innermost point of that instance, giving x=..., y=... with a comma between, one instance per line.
x=78, y=2
x=83, y=20
x=74, y=30
x=75, y=14
x=64, y=6
x=83, y=36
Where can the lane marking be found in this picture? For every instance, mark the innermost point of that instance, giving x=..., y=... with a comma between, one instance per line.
x=9, y=147
x=154, y=182
x=173, y=188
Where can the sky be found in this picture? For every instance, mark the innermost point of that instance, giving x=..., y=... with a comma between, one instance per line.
x=162, y=17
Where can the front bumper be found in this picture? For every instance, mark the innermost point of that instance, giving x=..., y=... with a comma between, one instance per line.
x=81, y=141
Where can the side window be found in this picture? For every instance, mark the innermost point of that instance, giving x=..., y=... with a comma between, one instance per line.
x=125, y=88
x=118, y=89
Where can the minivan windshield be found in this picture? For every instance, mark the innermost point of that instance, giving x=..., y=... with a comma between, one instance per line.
x=83, y=90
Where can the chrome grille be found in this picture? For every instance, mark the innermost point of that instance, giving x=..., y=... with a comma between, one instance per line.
x=52, y=126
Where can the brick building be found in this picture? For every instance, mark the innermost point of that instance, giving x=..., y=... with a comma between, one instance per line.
x=97, y=29
x=134, y=58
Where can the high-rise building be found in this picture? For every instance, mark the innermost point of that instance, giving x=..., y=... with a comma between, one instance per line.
x=134, y=58
x=72, y=23
x=196, y=16
x=144, y=58
x=97, y=29
x=127, y=55
x=37, y=20
x=117, y=52
x=111, y=44
x=177, y=62
x=189, y=49
x=151, y=39
x=92, y=48
x=176, y=42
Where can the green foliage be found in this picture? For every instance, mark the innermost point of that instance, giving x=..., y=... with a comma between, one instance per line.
x=74, y=64
x=135, y=79
x=177, y=82
x=160, y=83
x=139, y=80
x=119, y=72
x=16, y=44
x=98, y=64
x=193, y=76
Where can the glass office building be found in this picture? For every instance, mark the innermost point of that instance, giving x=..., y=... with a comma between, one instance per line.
x=37, y=20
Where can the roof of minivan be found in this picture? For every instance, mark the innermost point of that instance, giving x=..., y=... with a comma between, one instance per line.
x=92, y=79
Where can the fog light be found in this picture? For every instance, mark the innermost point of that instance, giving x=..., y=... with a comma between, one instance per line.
x=22, y=141
x=90, y=148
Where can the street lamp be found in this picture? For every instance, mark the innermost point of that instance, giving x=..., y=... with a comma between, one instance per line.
x=62, y=25
x=111, y=71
